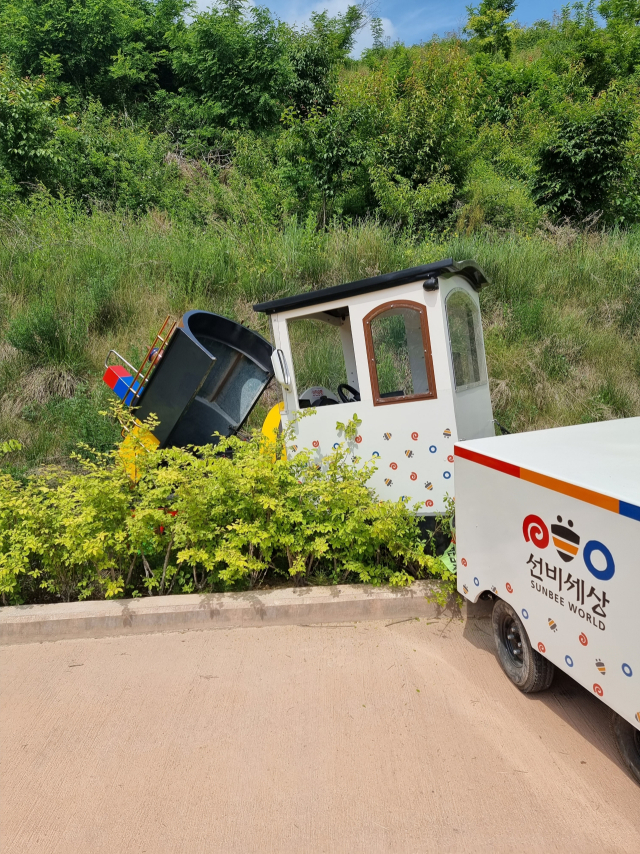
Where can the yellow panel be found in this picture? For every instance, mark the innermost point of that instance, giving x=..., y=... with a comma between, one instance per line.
x=139, y=441
x=272, y=425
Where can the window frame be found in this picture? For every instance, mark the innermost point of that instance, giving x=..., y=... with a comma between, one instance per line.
x=482, y=359
x=432, y=394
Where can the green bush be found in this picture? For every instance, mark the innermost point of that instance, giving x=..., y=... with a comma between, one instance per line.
x=203, y=519
x=583, y=165
x=498, y=201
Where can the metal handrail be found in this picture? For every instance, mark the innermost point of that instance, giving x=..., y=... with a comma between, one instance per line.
x=122, y=359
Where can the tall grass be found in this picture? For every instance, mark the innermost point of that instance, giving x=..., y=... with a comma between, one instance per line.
x=562, y=315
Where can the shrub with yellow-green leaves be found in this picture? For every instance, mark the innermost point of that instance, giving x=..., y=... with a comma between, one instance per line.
x=203, y=519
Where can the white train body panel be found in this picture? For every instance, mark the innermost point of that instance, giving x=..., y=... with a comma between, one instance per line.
x=550, y=522
x=410, y=441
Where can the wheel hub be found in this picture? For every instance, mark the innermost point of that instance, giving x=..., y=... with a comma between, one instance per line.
x=513, y=641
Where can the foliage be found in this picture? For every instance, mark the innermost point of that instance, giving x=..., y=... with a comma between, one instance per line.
x=488, y=25
x=202, y=519
x=111, y=49
x=28, y=148
x=582, y=167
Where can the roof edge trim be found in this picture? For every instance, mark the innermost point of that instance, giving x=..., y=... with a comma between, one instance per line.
x=470, y=270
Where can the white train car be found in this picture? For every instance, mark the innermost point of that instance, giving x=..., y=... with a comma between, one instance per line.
x=548, y=523
x=411, y=354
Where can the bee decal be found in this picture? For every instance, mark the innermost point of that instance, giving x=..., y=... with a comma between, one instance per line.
x=465, y=588
x=294, y=448
x=494, y=590
x=600, y=665
x=565, y=540
x=388, y=481
x=447, y=433
x=386, y=436
x=408, y=454
x=355, y=460
x=428, y=485
x=638, y=717
x=552, y=625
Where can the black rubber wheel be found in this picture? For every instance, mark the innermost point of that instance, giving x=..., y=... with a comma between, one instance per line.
x=528, y=670
x=628, y=743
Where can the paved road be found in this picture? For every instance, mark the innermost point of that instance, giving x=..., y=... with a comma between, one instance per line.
x=368, y=738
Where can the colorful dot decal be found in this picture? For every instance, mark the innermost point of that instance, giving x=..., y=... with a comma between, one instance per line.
x=542, y=647
x=393, y=466
x=568, y=660
x=358, y=439
x=476, y=582
x=316, y=444
x=336, y=445
x=446, y=475
x=432, y=449
x=414, y=436
x=509, y=588
x=584, y=640
x=450, y=458
x=627, y=670
x=597, y=689
x=413, y=476
x=525, y=613
x=464, y=561
x=428, y=503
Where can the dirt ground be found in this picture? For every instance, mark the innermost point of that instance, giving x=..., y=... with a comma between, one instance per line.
x=402, y=737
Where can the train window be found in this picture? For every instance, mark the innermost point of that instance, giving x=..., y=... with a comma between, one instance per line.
x=465, y=338
x=399, y=353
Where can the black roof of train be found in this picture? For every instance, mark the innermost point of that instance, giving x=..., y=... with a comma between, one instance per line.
x=468, y=269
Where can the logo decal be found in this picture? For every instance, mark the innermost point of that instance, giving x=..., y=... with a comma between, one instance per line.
x=535, y=531
x=565, y=540
x=567, y=544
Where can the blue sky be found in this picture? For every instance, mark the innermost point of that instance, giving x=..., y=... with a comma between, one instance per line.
x=411, y=21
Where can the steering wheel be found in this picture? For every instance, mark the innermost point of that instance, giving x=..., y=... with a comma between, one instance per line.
x=355, y=395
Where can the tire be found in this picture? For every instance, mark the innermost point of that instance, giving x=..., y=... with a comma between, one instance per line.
x=628, y=743
x=526, y=668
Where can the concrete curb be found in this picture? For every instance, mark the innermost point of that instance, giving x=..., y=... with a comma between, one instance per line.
x=290, y=606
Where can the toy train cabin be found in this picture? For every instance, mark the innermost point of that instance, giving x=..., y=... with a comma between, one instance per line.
x=405, y=352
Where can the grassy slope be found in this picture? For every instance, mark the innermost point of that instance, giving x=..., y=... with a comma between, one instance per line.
x=562, y=316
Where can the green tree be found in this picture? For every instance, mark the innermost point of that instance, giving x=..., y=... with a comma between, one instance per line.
x=233, y=71
x=29, y=150
x=487, y=24
x=583, y=164
x=109, y=48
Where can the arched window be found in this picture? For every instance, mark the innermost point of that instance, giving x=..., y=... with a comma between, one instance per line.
x=399, y=353
x=465, y=338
